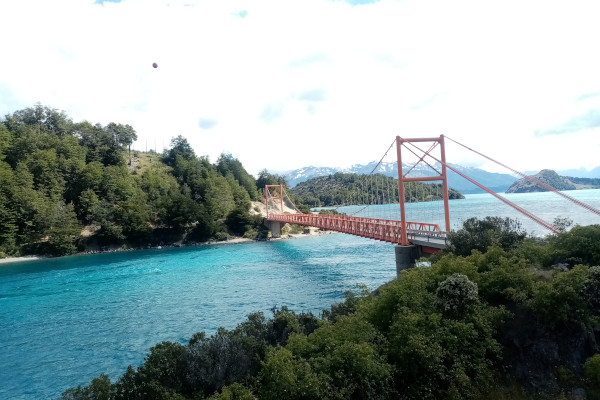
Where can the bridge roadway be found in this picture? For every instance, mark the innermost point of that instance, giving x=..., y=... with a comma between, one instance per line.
x=429, y=236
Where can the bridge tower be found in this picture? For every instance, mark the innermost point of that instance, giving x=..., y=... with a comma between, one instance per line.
x=274, y=226
x=407, y=252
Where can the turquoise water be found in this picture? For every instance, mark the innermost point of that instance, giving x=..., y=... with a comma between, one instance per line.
x=65, y=321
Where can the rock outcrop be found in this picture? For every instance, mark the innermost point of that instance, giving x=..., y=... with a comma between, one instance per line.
x=546, y=176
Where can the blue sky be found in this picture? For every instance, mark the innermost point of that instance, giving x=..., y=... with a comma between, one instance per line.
x=287, y=84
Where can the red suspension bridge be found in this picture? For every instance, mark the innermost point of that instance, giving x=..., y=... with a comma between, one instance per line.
x=427, y=237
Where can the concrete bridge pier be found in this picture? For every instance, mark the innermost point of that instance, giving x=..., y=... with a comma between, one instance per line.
x=275, y=228
x=406, y=257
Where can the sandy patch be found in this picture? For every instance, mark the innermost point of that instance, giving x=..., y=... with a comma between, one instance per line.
x=20, y=259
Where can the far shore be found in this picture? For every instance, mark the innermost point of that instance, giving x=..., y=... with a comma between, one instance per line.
x=234, y=240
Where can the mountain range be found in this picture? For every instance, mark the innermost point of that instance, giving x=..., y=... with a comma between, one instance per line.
x=495, y=181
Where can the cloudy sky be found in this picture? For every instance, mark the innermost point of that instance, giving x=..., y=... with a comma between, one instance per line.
x=283, y=84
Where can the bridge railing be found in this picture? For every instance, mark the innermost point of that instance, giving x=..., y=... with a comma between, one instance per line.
x=374, y=228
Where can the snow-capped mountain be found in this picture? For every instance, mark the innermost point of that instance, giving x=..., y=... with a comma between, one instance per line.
x=494, y=181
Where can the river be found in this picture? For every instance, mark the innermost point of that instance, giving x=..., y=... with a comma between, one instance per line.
x=65, y=321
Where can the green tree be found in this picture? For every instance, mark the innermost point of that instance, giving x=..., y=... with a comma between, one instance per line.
x=180, y=211
x=64, y=231
x=5, y=140
x=100, y=143
x=8, y=212
x=267, y=178
x=179, y=147
x=227, y=164
x=44, y=119
x=123, y=135
x=239, y=221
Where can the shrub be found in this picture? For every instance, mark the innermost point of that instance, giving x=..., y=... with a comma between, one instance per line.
x=456, y=295
x=221, y=236
x=235, y=391
x=581, y=245
x=591, y=290
x=251, y=234
x=592, y=374
x=559, y=301
x=479, y=234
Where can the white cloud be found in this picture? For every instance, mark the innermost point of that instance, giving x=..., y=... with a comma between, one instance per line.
x=282, y=85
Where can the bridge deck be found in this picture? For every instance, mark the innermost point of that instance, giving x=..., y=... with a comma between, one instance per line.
x=429, y=235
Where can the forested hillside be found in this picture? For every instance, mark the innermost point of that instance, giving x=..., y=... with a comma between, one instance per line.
x=58, y=177
x=341, y=188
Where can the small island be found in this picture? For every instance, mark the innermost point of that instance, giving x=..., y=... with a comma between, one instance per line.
x=551, y=178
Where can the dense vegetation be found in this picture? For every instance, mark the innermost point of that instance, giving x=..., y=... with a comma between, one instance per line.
x=58, y=176
x=342, y=189
x=517, y=320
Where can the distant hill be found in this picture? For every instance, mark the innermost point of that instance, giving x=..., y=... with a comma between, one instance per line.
x=551, y=178
x=495, y=181
x=581, y=173
x=343, y=188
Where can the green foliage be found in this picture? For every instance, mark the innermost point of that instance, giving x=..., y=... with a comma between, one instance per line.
x=235, y=391
x=581, y=245
x=456, y=295
x=266, y=178
x=590, y=290
x=559, y=301
x=63, y=232
x=99, y=389
x=592, y=375
x=57, y=175
x=348, y=306
x=179, y=147
x=535, y=251
x=285, y=377
x=479, y=234
x=506, y=281
x=227, y=164
x=346, y=357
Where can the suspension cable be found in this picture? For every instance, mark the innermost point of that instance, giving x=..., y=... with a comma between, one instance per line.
x=504, y=200
x=533, y=180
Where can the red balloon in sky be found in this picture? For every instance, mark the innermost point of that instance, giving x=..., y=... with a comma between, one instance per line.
x=155, y=65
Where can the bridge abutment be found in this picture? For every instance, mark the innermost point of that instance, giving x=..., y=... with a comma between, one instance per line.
x=406, y=257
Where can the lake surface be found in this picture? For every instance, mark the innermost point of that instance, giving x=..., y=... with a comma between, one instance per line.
x=65, y=321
